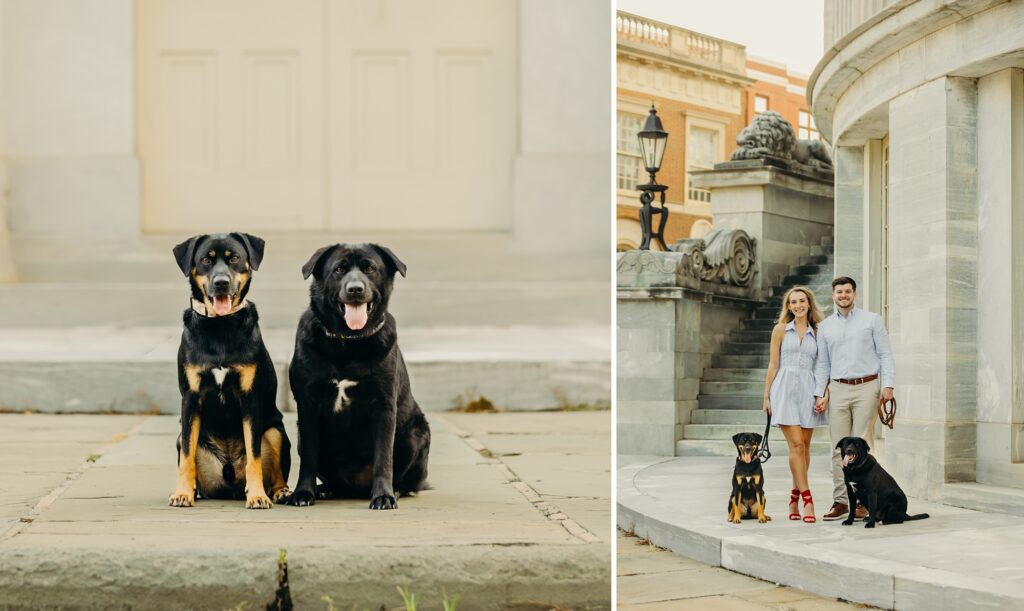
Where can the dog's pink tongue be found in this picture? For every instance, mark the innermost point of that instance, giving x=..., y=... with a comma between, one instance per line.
x=846, y=459
x=355, y=316
x=221, y=305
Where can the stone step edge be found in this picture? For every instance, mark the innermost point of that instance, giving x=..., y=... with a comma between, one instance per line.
x=480, y=575
x=842, y=573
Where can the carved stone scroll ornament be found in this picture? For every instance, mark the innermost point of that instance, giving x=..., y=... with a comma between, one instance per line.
x=725, y=256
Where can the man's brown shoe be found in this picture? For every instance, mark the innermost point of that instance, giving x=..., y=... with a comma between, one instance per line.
x=862, y=512
x=837, y=512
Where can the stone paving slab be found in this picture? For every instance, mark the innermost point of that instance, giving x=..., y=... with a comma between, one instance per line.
x=650, y=579
x=948, y=561
x=99, y=534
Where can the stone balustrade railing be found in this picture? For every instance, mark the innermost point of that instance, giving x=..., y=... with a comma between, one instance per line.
x=675, y=42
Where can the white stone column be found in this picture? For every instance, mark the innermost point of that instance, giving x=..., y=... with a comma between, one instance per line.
x=1000, y=433
x=562, y=174
x=933, y=219
x=850, y=212
x=68, y=116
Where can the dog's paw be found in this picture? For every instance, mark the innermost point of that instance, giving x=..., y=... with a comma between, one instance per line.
x=847, y=522
x=763, y=519
x=257, y=501
x=384, y=501
x=302, y=498
x=869, y=525
x=281, y=496
x=182, y=499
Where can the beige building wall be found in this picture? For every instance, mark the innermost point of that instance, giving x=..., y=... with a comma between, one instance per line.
x=121, y=116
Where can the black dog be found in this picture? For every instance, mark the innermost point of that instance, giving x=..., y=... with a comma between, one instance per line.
x=747, y=498
x=870, y=484
x=232, y=443
x=360, y=430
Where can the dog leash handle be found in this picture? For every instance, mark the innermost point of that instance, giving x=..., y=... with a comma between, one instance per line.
x=764, y=453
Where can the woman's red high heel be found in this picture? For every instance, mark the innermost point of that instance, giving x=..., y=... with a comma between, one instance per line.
x=794, y=496
x=806, y=494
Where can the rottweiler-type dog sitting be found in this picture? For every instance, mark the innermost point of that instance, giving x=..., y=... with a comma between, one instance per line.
x=747, y=498
x=872, y=486
x=233, y=443
x=360, y=429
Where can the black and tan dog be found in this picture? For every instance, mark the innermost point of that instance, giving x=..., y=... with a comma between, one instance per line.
x=747, y=498
x=872, y=486
x=360, y=429
x=233, y=443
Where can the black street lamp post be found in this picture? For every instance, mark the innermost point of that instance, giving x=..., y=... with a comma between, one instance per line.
x=653, y=138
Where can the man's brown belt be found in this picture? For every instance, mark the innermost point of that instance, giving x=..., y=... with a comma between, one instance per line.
x=856, y=381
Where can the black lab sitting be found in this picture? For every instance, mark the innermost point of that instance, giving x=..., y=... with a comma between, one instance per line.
x=747, y=498
x=360, y=429
x=871, y=485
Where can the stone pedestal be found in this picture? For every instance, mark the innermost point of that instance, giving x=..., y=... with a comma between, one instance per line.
x=785, y=211
x=669, y=323
x=658, y=353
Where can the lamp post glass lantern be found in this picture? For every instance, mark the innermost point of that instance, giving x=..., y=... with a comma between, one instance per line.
x=653, y=139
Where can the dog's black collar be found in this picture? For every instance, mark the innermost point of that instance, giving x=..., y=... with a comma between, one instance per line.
x=379, y=326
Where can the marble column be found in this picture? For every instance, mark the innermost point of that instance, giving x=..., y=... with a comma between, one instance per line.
x=933, y=255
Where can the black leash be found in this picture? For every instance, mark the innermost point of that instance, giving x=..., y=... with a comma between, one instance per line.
x=764, y=453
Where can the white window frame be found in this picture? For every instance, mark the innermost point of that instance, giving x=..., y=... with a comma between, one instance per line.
x=807, y=130
x=767, y=103
x=695, y=196
x=625, y=107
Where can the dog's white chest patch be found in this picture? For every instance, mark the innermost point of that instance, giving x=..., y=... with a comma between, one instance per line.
x=218, y=375
x=343, y=400
x=748, y=478
x=853, y=486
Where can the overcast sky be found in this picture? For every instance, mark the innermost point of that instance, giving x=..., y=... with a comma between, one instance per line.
x=786, y=31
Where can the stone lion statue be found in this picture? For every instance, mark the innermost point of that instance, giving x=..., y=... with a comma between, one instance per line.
x=771, y=135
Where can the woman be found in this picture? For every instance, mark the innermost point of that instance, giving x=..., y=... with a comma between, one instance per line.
x=789, y=389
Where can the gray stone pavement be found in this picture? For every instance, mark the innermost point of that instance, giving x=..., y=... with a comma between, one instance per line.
x=518, y=517
x=956, y=559
x=651, y=579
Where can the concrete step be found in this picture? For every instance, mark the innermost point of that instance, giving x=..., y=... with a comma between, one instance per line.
x=734, y=374
x=758, y=324
x=751, y=336
x=724, y=447
x=753, y=401
x=746, y=417
x=828, y=241
x=732, y=387
x=133, y=369
x=825, y=260
x=744, y=348
x=710, y=432
x=811, y=270
x=732, y=361
x=821, y=250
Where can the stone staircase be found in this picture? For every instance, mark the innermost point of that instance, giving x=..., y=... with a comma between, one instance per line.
x=732, y=389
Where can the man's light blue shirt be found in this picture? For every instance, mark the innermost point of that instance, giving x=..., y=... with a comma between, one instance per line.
x=853, y=346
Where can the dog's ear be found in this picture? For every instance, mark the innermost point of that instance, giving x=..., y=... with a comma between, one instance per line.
x=253, y=247
x=841, y=441
x=736, y=439
x=757, y=438
x=184, y=253
x=862, y=445
x=390, y=258
x=314, y=261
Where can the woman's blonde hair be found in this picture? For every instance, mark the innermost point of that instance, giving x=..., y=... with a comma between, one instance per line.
x=814, y=315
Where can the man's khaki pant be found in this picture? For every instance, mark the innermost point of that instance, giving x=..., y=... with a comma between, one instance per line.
x=851, y=413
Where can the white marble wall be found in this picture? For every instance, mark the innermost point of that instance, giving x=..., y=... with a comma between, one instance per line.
x=933, y=278
x=1000, y=436
x=67, y=118
x=658, y=369
x=562, y=174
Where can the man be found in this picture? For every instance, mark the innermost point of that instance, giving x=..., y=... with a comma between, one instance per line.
x=853, y=353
